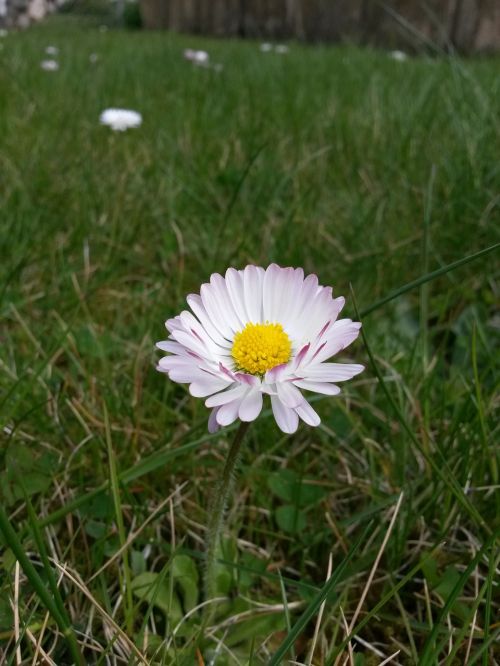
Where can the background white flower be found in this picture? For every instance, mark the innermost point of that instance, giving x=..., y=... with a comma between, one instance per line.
x=266, y=47
x=49, y=65
x=256, y=332
x=120, y=119
x=400, y=56
x=52, y=50
x=196, y=57
x=282, y=49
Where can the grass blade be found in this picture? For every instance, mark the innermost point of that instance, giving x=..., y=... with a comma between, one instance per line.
x=38, y=585
x=426, y=656
x=444, y=473
x=427, y=278
x=315, y=604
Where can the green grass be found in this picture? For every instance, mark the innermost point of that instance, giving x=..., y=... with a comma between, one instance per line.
x=370, y=173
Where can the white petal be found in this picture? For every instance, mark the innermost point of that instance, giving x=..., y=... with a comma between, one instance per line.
x=234, y=284
x=333, y=372
x=299, y=313
x=236, y=391
x=213, y=426
x=192, y=325
x=253, y=278
x=339, y=336
x=307, y=414
x=286, y=418
x=219, y=288
x=192, y=343
x=196, y=305
x=171, y=346
x=215, y=310
x=250, y=406
x=228, y=413
x=277, y=373
x=201, y=388
x=270, y=286
x=289, y=394
x=317, y=387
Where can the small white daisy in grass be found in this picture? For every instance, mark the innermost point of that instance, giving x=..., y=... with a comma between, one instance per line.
x=399, y=56
x=120, y=119
x=282, y=49
x=49, y=65
x=266, y=47
x=259, y=332
x=3, y=32
x=52, y=50
x=196, y=57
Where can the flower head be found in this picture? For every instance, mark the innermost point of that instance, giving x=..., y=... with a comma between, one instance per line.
x=52, y=50
x=400, y=56
x=260, y=331
x=196, y=57
x=49, y=65
x=120, y=119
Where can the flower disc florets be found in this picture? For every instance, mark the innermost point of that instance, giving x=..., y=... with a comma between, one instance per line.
x=261, y=347
x=257, y=332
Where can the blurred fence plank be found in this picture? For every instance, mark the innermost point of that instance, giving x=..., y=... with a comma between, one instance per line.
x=466, y=25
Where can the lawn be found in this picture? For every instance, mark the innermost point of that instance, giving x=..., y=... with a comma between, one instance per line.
x=369, y=172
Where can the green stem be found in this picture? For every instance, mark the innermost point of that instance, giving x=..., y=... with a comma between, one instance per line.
x=218, y=510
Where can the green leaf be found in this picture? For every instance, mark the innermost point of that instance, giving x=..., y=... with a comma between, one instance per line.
x=256, y=628
x=137, y=562
x=186, y=578
x=36, y=471
x=96, y=529
x=290, y=519
x=288, y=486
x=149, y=587
x=282, y=483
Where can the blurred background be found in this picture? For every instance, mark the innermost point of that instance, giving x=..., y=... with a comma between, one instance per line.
x=465, y=25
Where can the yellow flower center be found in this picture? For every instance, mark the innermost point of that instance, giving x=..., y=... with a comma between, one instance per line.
x=261, y=347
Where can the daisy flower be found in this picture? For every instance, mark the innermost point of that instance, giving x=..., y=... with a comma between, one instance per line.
x=52, y=50
x=266, y=47
x=120, y=119
x=49, y=65
x=196, y=57
x=255, y=332
x=400, y=56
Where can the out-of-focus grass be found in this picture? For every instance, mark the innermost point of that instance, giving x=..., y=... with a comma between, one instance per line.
x=367, y=171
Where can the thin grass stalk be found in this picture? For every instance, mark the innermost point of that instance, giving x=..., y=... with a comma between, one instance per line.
x=36, y=582
x=115, y=491
x=445, y=474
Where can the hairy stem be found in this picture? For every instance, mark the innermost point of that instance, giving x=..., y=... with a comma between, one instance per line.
x=218, y=509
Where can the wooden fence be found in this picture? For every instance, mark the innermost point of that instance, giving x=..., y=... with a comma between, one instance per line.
x=466, y=25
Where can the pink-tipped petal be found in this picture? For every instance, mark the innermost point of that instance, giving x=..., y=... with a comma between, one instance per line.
x=213, y=426
x=251, y=405
x=286, y=418
x=205, y=387
x=228, y=413
x=289, y=394
x=237, y=392
x=333, y=372
x=308, y=414
x=317, y=387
